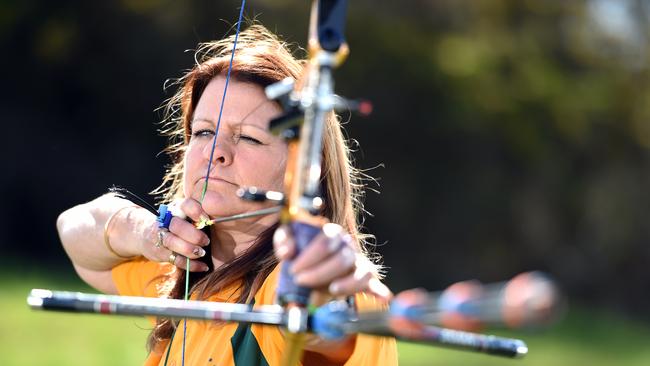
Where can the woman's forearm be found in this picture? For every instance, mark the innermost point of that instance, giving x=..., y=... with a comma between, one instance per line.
x=94, y=246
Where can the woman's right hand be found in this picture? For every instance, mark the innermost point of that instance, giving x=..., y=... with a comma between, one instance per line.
x=100, y=234
x=182, y=240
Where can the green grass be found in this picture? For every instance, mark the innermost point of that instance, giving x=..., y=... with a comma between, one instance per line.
x=29, y=337
x=583, y=338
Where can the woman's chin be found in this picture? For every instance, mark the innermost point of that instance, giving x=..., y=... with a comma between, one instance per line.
x=216, y=205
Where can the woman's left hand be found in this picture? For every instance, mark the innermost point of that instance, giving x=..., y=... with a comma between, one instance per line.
x=331, y=265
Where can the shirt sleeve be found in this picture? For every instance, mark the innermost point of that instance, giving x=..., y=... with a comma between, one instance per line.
x=140, y=277
x=368, y=350
x=372, y=350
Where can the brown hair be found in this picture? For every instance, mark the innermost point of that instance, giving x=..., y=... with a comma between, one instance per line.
x=260, y=58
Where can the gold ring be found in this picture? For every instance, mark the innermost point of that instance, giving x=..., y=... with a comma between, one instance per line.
x=161, y=237
x=172, y=258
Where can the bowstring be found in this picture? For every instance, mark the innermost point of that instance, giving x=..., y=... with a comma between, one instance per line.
x=207, y=174
x=223, y=99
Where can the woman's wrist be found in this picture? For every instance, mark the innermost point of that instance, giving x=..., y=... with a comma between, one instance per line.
x=109, y=230
x=127, y=230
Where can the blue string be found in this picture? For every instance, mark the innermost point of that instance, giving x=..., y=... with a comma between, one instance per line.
x=214, y=145
x=223, y=99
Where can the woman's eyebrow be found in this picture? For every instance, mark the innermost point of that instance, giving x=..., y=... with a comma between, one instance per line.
x=201, y=119
x=240, y=124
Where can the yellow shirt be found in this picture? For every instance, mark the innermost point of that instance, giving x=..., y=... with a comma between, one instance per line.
x=232, y=344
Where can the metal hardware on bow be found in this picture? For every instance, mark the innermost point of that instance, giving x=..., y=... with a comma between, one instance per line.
x=302, y=125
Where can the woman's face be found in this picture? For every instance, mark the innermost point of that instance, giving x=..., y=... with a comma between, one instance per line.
x=246, y=153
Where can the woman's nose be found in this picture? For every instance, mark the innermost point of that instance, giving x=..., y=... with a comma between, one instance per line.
x=219, y=153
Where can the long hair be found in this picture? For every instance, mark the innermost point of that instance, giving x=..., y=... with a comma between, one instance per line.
x=260, y=58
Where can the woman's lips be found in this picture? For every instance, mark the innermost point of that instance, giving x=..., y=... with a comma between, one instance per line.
x=218, y=180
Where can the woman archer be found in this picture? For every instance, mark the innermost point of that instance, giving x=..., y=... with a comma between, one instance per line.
x=117, y=247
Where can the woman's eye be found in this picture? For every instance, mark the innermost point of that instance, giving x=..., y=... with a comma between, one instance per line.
x=249, y=139
x=203, y=133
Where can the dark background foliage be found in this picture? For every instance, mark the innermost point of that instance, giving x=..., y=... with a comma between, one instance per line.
x=512, y=135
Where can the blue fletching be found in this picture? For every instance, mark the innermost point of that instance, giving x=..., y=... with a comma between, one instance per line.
x=451, y=303
x=401, y=310
x=164, y=216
